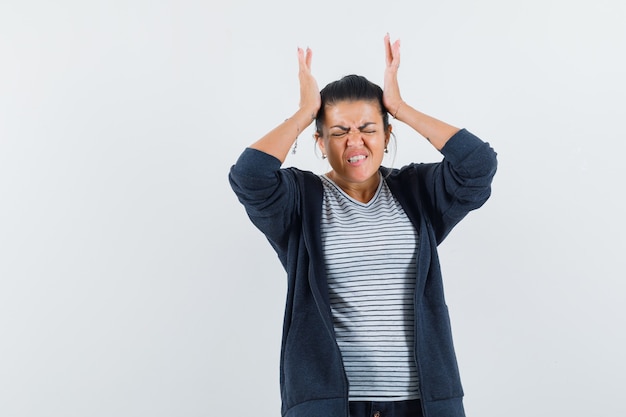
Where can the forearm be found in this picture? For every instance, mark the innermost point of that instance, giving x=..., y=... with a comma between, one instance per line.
x=280, y=139
x=437, y=132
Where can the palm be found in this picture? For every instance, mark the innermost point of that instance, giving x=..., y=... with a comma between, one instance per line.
x=391, y=90
x=309, y=91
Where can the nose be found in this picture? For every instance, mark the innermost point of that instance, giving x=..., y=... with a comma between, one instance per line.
x=355, y=137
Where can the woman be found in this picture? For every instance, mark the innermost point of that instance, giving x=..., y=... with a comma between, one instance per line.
x=366, y=329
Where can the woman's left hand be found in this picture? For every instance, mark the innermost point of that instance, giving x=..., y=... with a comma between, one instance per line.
x=310, y=99
x=391, y=90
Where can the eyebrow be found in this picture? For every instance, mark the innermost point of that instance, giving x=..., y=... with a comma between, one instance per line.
x=363, y=126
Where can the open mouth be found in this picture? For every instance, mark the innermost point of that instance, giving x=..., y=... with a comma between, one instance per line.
x=356, y=158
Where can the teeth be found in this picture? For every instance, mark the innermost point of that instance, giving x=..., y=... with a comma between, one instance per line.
x=356, y=158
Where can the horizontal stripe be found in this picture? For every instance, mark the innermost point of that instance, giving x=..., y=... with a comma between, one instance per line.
x=370, y=257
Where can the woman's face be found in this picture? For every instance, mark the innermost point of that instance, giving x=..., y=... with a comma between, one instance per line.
x=354, y=140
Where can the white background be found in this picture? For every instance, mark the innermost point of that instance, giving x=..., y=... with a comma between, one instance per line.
x=132, y=282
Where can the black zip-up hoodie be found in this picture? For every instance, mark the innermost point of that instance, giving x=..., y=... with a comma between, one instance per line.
x=285, y=204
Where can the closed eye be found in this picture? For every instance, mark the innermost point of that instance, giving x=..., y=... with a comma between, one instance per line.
x=341, y=131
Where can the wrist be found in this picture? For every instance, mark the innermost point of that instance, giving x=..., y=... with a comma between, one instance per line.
x=305, y=116
x=397, y=108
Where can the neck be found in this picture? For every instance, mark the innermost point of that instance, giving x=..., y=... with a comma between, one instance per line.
x=361, y=191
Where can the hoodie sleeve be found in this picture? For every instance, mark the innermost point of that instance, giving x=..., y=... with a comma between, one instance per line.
x=267, y=192
x=460, y=183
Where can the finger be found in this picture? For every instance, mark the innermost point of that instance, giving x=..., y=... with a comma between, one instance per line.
x=395, y=53
x=396, y=49
x=388, y=52
x=309, y=56
x=304, y=61
x=300, y=57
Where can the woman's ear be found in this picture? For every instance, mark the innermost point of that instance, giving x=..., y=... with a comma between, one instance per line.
x=320, y=142
x=388, y=135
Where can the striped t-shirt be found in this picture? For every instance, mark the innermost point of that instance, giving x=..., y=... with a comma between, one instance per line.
x=370, y=254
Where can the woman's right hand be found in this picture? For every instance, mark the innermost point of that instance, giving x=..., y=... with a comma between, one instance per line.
x=310, y=99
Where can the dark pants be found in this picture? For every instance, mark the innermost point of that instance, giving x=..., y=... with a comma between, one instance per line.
x=412, y=408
